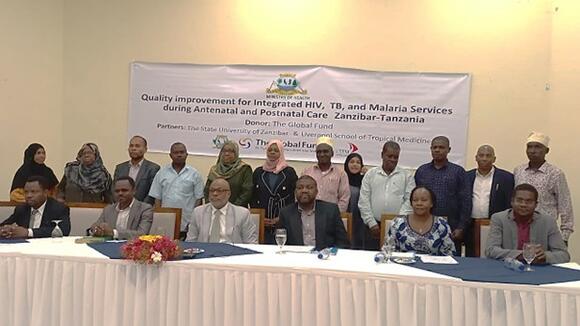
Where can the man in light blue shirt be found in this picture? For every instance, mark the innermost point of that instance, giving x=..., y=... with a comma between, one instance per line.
x=178, y=185
x=385, y=189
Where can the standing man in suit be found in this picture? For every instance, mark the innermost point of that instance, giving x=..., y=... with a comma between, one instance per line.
x=34, y=219
x=139, y=169
x=492, y=191
x=510, y=229
x=220, y=220
x=312, y=222
x=128, y=218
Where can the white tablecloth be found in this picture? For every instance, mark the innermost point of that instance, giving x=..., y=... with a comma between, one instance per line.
x=47, y=283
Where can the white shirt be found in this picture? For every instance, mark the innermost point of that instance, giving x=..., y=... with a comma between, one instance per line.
x=134, y=169
x=383, y=193
x=122, y=218
x=223, y=211
x=481, y=194
x=35, y=219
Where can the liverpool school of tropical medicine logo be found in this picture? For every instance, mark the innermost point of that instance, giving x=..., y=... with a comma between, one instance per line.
x=219, y=141
x=286, y=84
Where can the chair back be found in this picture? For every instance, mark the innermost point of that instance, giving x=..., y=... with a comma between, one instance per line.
x=258, y=215
x=347, y=221
x=6, y=209
x=481, y=231
x=82, y=216
x=386, y=220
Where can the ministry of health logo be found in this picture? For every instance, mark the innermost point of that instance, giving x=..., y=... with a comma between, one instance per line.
x=286, y=84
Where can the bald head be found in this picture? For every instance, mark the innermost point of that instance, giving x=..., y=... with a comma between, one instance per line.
x=219, y=192
x=485, y=158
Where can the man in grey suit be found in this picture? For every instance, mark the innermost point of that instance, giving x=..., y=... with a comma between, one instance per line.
x=510, y=229
x=139, y=169
x=128, y=218
x=221, y=221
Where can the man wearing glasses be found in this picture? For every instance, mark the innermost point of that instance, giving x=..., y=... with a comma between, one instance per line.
x=221, y=221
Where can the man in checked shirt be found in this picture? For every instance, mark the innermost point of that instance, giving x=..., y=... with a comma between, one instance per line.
x=549, y=180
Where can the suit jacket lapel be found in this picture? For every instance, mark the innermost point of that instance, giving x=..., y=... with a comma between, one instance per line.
x=27, y=212
x=140, y=173
x=132, y=215
x=205, y=224
x=299, y=235
x=494, y=187
x=230, y=222
x=319, y=225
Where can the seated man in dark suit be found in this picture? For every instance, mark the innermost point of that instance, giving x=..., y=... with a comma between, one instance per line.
x=312, y=222
x=35, y=219
x=127, y=218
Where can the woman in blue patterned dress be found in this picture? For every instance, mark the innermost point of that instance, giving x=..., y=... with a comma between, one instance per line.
x=420, y=231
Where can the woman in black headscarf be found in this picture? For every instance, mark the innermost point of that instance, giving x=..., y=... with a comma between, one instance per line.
x=34, y=157
x=354, y=168
x=86, y=179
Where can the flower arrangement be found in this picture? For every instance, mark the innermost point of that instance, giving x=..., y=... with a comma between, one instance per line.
x=150, y=249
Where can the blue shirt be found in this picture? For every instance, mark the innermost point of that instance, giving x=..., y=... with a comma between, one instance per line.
x=452, y=193
x=178, y=190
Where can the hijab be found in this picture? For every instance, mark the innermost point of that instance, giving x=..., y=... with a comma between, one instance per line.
x=93, y=178
x=278, y=165
x=223, y=170
x=354, y=180
x=29, y=168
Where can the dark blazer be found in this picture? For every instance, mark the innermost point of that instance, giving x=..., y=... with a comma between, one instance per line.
x=144, y=178
x=502, y=187
x=280, y=196
x=329, y=229
x=52, y=211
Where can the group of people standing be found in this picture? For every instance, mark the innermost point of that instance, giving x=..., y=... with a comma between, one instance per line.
x=435, y=206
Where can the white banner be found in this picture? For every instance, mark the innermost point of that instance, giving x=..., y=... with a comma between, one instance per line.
x=204, y=105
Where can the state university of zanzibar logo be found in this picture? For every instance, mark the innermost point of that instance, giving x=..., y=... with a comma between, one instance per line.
x=286, y=84
x=219, y=141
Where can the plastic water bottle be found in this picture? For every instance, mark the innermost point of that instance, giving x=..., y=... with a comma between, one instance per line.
x=324, y=253
x=514, y=264
x=380, y=257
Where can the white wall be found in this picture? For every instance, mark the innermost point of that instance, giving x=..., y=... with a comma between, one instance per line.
x=512, y=48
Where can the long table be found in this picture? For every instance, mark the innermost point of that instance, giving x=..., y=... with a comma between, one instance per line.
x=46, y=282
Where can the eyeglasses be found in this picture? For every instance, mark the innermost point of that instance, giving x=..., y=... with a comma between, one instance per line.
x=218, y=191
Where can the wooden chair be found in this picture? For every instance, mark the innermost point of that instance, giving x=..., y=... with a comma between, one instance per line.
x=386, y=220
x=258, y=215
x=480, y=232
x=347, y=221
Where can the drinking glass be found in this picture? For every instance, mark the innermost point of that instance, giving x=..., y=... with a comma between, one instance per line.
x=529, y=253
x=388, y=249
x=56, y=233
x=281, y=239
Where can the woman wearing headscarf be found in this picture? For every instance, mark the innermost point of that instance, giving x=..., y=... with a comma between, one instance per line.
x=86, y=179
x=274, y=184
x=238, y=174
x=354, y=168
x=34, y=157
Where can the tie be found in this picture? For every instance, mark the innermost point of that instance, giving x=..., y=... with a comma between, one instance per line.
x=33, y=218
x=215, y=227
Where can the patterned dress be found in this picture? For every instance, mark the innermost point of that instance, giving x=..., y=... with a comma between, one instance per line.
x=437, y=241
